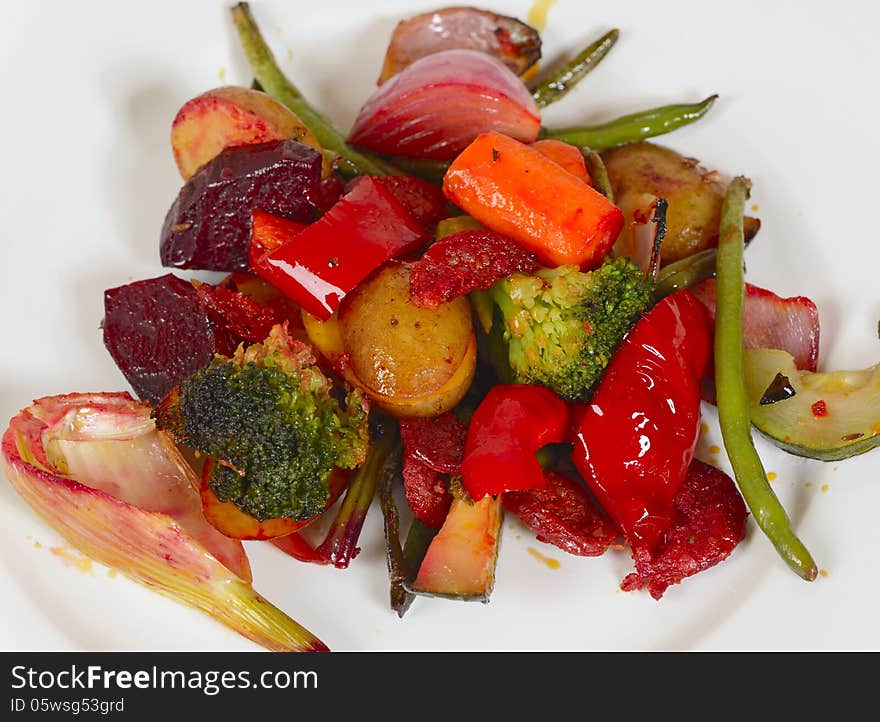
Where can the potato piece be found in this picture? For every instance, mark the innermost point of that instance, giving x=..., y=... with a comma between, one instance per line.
x=229, y=116
x=640, y=172
x=410, y=361
x=325, y=336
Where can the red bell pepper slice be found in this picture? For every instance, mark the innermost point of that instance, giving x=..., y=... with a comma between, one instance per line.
x=635, y=438
x=511, y=423
x=269, y=232
x=318, y=266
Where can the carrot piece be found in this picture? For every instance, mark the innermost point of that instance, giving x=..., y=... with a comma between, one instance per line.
x=514, y=189
x=566, y=155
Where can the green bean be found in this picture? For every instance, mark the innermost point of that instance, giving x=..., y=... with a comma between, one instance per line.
x=598, y=174
x=484, y=309
x=634, y=127
x=733, y=404
x=685, y=273
x=563, y=80
x=276, y=84
x=428, y=169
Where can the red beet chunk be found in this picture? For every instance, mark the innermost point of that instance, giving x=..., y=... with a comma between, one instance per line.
x=427, y=492
x=563, y=513
x=465, y=262
x=436, y=442
x=209, y=225
x=158, y=333
x=329, y=191
x=711, y=518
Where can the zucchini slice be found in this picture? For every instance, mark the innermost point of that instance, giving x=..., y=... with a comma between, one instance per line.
x=460, y=563
x=831, y=416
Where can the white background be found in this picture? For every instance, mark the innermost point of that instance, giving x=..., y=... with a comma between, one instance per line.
x=90, y=89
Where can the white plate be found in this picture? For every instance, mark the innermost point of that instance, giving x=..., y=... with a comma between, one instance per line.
x=87, y=176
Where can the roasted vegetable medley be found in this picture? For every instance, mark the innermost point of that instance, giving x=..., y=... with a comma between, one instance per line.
x=449, y=314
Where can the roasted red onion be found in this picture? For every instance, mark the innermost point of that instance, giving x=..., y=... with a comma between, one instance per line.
x=439, y=104
x=513, y=42
x=769, y=321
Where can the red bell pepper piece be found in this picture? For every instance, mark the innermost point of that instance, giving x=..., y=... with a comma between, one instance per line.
x=269, y=232
x=511, y=423
x=635, y=438
x=318, y=266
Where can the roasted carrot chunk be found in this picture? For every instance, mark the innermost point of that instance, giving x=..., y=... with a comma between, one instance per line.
x=566, y=155
x=514, y=189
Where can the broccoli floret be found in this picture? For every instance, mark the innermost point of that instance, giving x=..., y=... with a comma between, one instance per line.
x=563, y=325
x=273, y=423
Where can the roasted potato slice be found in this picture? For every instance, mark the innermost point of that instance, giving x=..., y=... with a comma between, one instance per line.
x=230, y=116
x=641, y=172
x=410, y=361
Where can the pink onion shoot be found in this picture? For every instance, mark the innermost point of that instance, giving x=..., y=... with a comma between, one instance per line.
x=95, y=467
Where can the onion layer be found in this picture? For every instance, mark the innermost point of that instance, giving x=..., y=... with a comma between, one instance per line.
x=513, y=42
x=788, y=324
x=440, y=103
